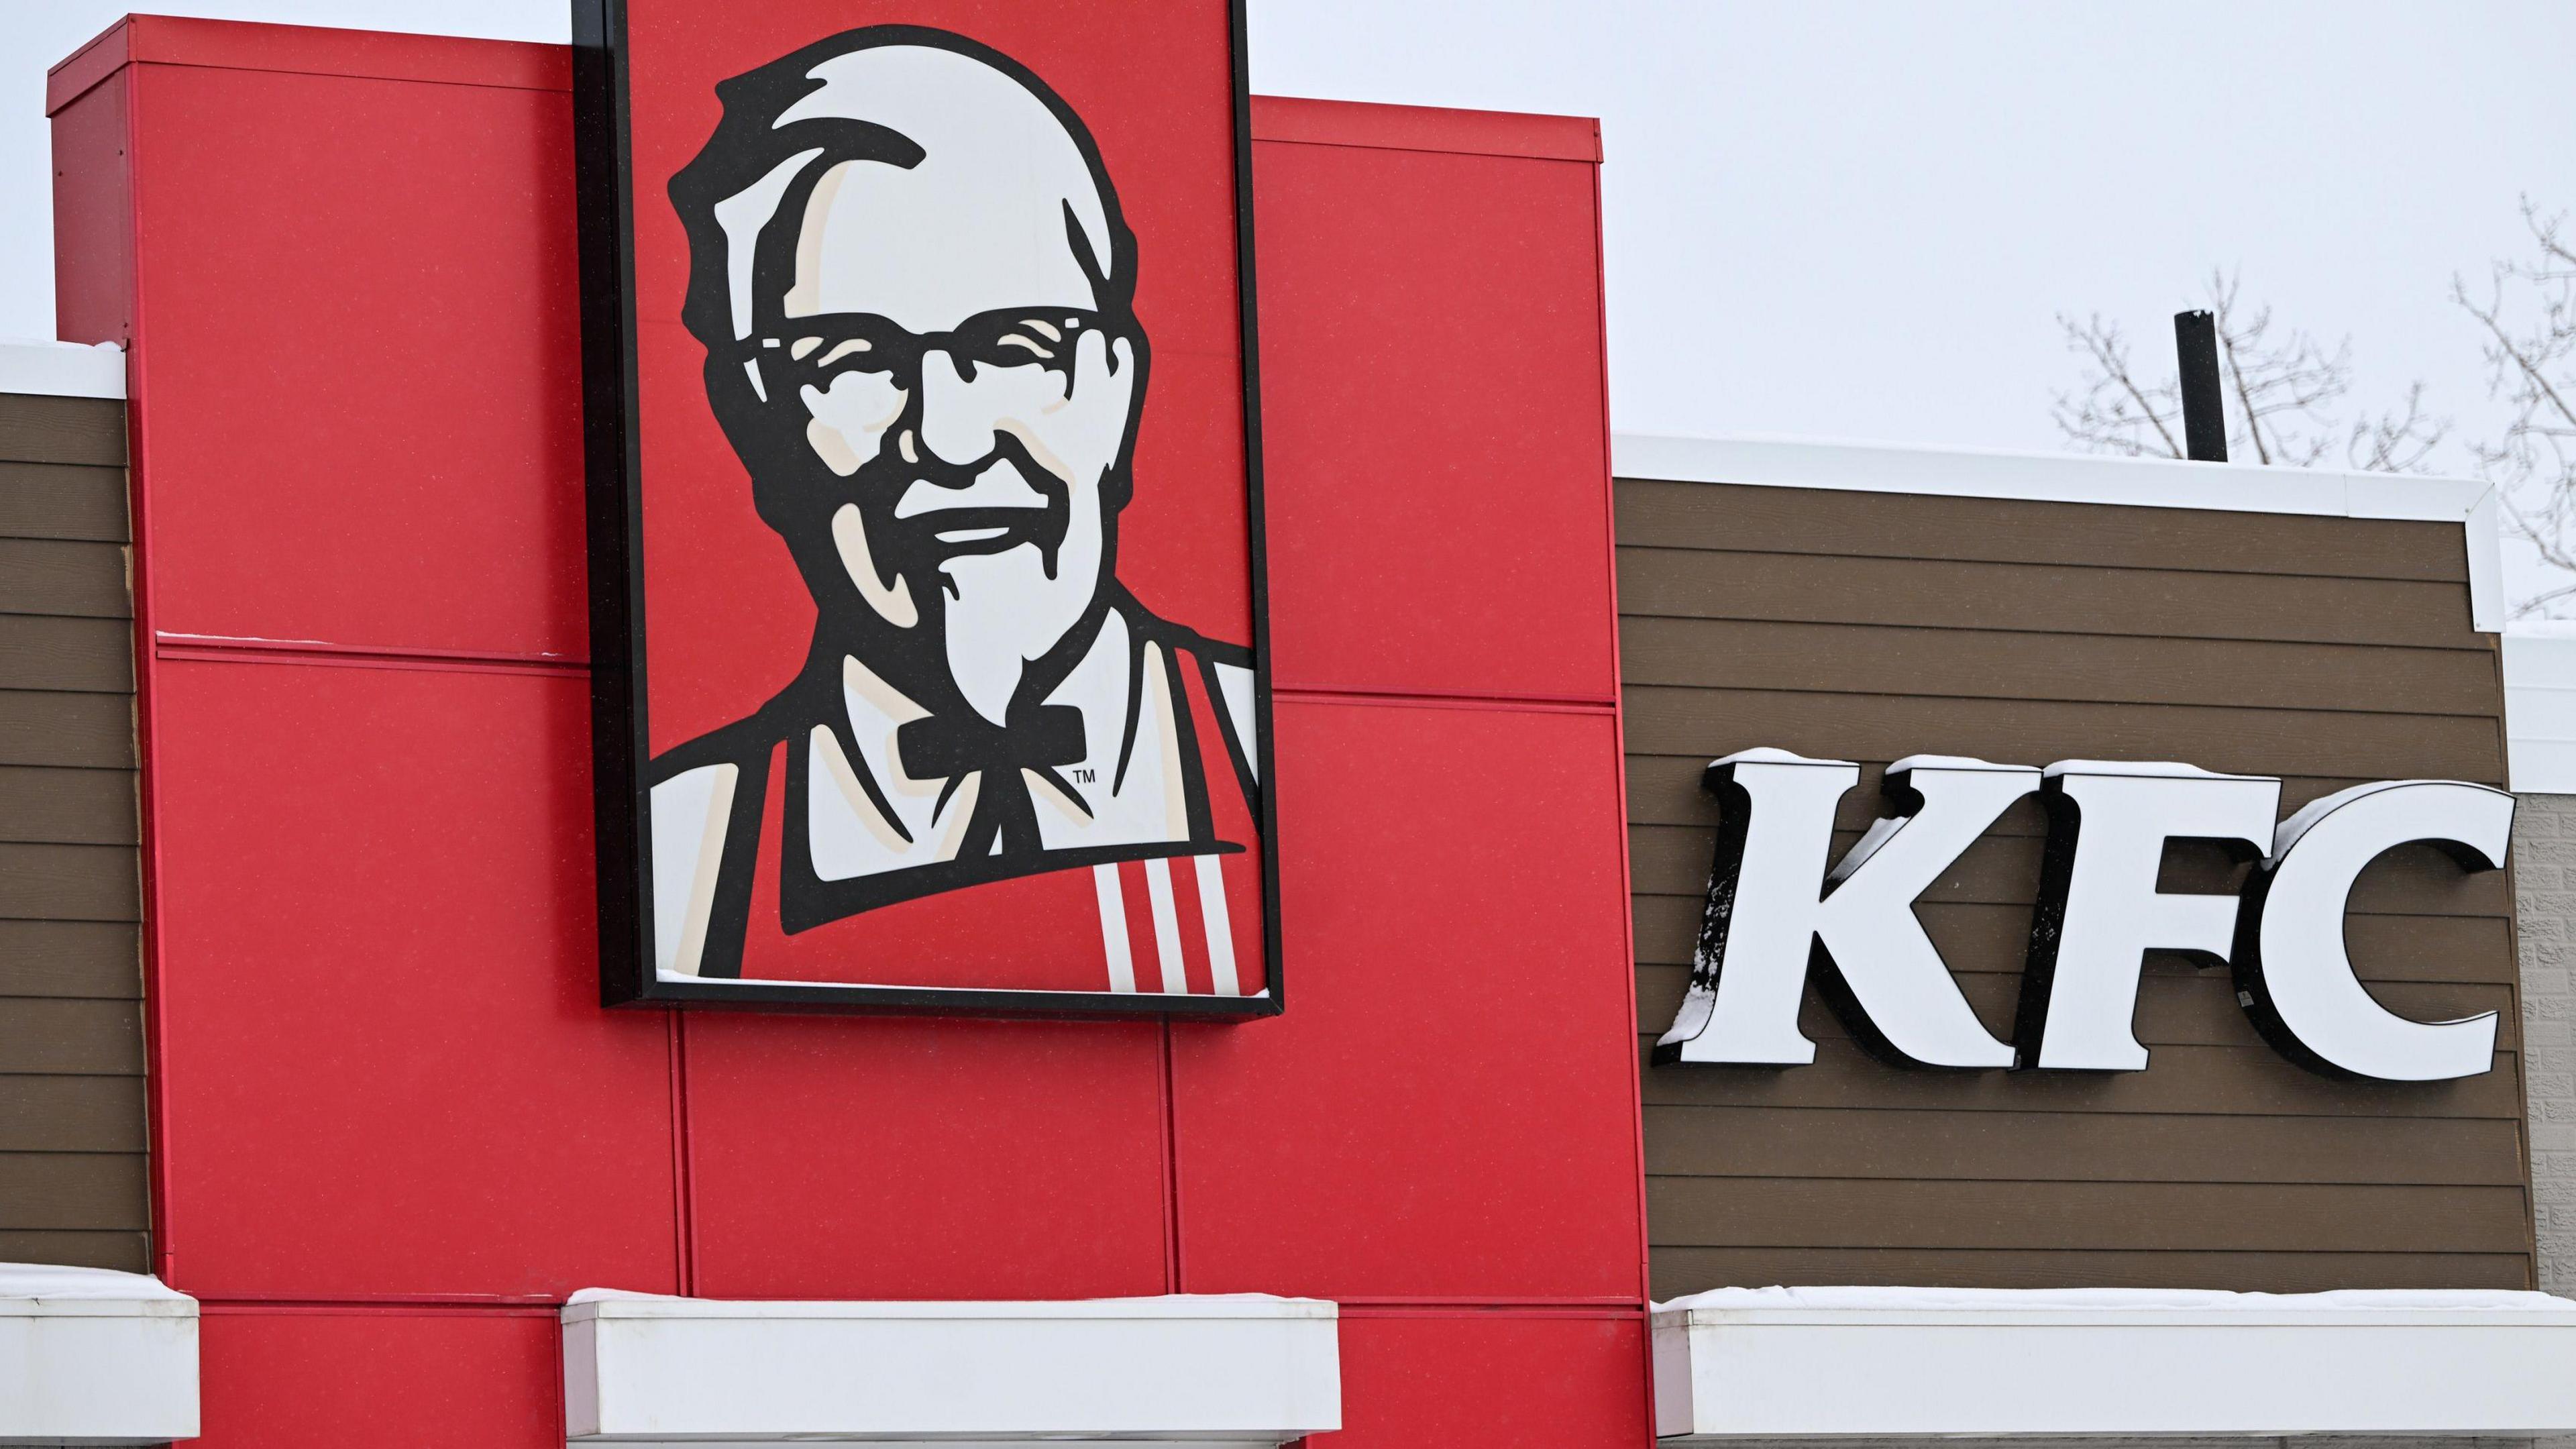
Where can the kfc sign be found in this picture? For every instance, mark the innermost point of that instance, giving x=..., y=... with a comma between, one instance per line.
x=1776, y=914
x=925, y=506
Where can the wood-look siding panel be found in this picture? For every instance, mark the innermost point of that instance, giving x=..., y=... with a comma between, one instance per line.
x=102, y=960
x=71, y=1114
x=80, y=1191
x=75, y=731
x=83, y=430
x=1701, y=724
x=2100, y=1217
x=1902, y=526
x=2184, y=1080
x=2079, y=1147
x=2082, y=668
x=73, y=1125
x=50, y=652
x=70, y=1036
x=1679, y=1269
x=128, y=1252
x=2325, y=651
x=60, y=500
x=1665, y=790
x=1689, y=584
x=67, y=807
x=60, y=576
x=69, y=883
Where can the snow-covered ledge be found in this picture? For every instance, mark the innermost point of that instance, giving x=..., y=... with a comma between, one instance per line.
x=89, y=1356
x=1208, y=1371
x=1795, y=1362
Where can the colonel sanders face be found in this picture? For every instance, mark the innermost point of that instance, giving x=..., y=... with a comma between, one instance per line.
x=915, y=289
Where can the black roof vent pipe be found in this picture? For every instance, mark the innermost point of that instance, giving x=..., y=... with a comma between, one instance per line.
x=2204, y=416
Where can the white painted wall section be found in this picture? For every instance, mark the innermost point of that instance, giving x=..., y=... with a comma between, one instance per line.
x=90, y=1356
x=1805, y=1362
x=1209, y=1371
x=61, y=369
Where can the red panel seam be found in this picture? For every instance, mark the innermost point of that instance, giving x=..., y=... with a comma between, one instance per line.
x=1172, y=1262
x=246, y=650
x=684, y=1214
x=1428, y=149
x=364, y=75
x=1551, y=704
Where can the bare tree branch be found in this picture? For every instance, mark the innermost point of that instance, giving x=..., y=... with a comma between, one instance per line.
x=2115, y=412
x=2529, y=317
x=2281, y=392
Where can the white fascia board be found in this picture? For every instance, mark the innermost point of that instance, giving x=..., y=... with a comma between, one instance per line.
x=61, y=369
x=2079, y=478
x=90, y=1356
x=2004, y=1364
x=1220, y=1370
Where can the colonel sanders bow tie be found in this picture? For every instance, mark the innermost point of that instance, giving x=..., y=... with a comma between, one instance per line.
x=951, y=747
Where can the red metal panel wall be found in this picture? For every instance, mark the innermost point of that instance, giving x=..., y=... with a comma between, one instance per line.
x=387, y=1106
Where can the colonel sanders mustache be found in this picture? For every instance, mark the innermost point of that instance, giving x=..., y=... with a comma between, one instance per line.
x=984, y=568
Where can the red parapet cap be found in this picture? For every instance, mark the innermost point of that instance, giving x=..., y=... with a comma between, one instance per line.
x=308, y=50
x=1426, y=128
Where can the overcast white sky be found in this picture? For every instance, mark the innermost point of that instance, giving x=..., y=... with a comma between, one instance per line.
x=1860, y=220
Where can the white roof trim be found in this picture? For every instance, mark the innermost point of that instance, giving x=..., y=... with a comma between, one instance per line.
x=2079, y=478
x=61, y=369
x=1227, y=1370
x=1999, y=1362
x=89, y=1356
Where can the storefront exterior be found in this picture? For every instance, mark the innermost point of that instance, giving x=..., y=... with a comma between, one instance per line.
x=305, y=890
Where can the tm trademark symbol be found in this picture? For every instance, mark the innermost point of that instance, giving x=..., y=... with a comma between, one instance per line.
x=1084, y=777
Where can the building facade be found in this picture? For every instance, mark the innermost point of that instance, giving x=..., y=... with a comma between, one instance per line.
x=301, y=1009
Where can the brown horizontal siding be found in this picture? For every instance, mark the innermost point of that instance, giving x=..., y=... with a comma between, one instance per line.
x=69, y=883
x=66, y=807
x=129, y=1252
x=1867, y=627
x=62, y=500
x=98, y=959
x=2187, y=1079
x=1902, y=526
x=78, y=731
x=1667, y=721
x=63, y=576
x=49, y=653
x=1680, y=1269
x=2078, y=1146
x=76, y=430
x=71, y=1114
x=1665, y=790
x=73, y=1140
x=2076, y=668
x=71, y=1036
x=72, y=1191
x=2035, y=598
x=2237, y=1217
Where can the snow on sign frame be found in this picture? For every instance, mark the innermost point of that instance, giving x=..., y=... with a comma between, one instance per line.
x=921, y=416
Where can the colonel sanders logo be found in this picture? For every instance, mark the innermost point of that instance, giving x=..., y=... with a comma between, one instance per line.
x=916, y=292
